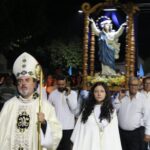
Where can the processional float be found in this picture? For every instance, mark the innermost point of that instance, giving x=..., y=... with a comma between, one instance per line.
x=130, y=10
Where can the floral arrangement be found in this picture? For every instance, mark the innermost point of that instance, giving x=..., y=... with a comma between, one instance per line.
x=116, y=80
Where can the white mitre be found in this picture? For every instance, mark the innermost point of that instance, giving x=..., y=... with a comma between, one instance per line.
x=26, y=65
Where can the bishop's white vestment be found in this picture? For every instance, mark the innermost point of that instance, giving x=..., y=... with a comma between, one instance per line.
x=18, y=125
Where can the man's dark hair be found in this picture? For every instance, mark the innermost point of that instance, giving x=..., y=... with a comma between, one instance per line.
x=146, y=78
x=61, y=77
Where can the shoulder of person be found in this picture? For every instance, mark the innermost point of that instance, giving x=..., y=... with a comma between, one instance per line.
x=13, y=99
x=47, y=104
x=141, y=95
x=54, y=92
x=114, y=114
x=73, y=92
x=11, y=102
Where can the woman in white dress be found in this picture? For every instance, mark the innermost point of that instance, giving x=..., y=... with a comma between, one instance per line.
x=97, y=126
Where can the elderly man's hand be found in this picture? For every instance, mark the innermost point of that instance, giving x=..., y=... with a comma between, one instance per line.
x=147, y=138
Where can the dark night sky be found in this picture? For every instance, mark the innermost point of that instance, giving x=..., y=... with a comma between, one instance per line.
x=47, y=20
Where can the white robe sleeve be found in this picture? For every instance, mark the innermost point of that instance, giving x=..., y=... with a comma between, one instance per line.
x=117, y=103
x=72, y=101
x=146, y=112
x=76, y=131
x=46, y=139
x=111, y=132
x=53, y=133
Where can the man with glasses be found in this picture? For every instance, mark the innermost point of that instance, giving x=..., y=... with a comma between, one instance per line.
x=133, y=117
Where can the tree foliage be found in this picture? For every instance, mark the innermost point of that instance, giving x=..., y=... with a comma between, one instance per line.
x=147, y=66
x=66, y=53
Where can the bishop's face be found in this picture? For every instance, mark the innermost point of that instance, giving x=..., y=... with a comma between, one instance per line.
x=26, y=86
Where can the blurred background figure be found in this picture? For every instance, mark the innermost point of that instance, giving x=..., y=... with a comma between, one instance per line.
x=7, y=89
x=146, y=87
x=146, y=92
x=1, y=79
x=50, y=85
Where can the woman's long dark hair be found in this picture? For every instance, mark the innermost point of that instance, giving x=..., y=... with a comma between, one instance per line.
x=106, y=108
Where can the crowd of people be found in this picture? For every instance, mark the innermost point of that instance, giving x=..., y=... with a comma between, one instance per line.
x=68, y=120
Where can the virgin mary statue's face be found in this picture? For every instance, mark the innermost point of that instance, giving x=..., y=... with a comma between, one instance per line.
x=108, y=27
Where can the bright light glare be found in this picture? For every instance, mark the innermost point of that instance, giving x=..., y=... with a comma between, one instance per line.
x=80, y=11
x=110, y=9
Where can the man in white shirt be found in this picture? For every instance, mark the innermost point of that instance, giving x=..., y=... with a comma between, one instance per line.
x=65, y=102
x=146, y=87
x=133, y=117
x=146, y=92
